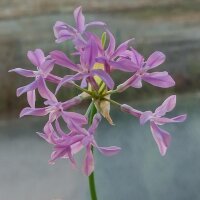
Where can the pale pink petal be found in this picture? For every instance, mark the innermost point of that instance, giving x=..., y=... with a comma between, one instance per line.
x=159, y=79
x=31, y=98
x=164, y=120
x=33, y=111
x=124, y=64
x=29, y=87
x=111, y=46
x=122, y=47
x=79, y=19
x=109, y=151
x=95, y=123
x=23, y=72
x=47, y=66
x=161, y=137
x=95, y=23
x=63, y=60
x=44, y=91
x=88, y=166
x=137, y=58
x=167, y=106
x=155, y=59
x=105, y=77
x=36, y=57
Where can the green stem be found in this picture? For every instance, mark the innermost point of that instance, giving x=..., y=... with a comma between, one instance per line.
x=91, y=111
x=112, y=101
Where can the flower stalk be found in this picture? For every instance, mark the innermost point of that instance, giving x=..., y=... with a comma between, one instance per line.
x=90, y=113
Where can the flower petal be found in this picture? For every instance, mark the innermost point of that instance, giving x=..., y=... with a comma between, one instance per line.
x=31, y=98
x=79, y=19
x=36, y=57
x=109, y=151
x=167, y=106
x=63, y=60
x=124, y=64
x=161, y=137
x=121, y=48
x=33, y=111
x=136, y=57
x=95, y=123
x=44, y=91
x=111, y=46
x=155, y=59
x=164, y=120
x=88, y=166
x=159, y=79
x=105, y=77
x=23, y=72
x=29, y=87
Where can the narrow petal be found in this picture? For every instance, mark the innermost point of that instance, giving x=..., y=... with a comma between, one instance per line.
x=137, y=58
x=125, y=65
x=167, y=106
x=29, y=87
x=164, y=120
x=36, y=57
x=31, y=98
x=63, y=60
x=122, y=47
x=23, y=72
x=95, y=123
x=89, y=55
x=105, y=77
x=111, y=46
x=79, y=19
x=109, y=151
x=155, y=59
x=95, y=23
x=161, y=137
x=44, y=91
x=145, y=116
x=33, y=111
x=159, y=79
x=47, y=66
x=68, y=79
x=88, y=167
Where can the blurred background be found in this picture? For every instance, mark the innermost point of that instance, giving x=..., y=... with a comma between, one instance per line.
x=139, y=172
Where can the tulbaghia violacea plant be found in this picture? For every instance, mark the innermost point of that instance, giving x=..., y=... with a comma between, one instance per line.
x=93, y=78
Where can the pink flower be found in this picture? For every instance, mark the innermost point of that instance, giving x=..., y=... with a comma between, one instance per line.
x=56, y=109
x=66, y=145
x=156, y=119
x=63, y=31
x=44, y=67
x=110, y=55
x=141, y=68
x=85, y=70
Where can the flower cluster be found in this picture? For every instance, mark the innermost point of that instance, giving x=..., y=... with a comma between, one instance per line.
x=98, y=59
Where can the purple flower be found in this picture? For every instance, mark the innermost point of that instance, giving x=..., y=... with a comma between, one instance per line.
x=63, y=31
x=57, y=109
x=44, y=67
x=85, y=70
x=109, y=56
x=141, y=68
x=66, y=145
x=157, y=118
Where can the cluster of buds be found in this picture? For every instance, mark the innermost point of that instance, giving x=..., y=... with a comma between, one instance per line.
x=98, y=58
